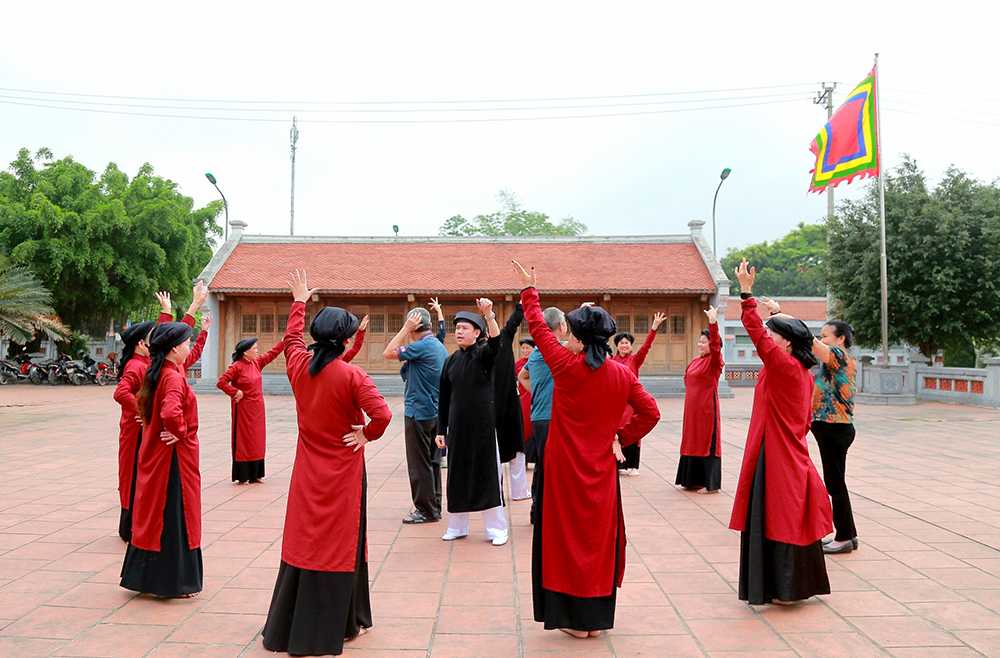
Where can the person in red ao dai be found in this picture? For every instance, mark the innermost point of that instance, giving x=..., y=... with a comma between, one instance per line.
x=781, y=507
x=578, y=546
x=321, y=594
x=700, y=465
x=242, y=381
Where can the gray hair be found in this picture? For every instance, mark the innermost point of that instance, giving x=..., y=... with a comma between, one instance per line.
x=425, y=318
x=553, y=317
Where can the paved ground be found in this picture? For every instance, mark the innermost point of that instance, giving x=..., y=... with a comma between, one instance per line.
x=924, y=584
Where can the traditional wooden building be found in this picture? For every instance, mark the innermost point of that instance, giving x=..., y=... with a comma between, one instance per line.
x=631, y=277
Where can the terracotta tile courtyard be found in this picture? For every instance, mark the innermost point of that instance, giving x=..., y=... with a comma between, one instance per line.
x=925, y=582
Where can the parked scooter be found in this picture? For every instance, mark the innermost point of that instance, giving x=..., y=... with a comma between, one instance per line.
x=94, y=371
x=20, y=368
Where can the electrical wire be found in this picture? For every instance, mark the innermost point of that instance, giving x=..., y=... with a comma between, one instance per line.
x=938, y=116
x=398, y=121
x=936, y=93
x=422, y=102
x=939, y=107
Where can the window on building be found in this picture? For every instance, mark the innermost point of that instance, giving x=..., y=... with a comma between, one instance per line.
x=642, y=324
x=282, y=324
x=266, y=324
x=376, y=324
x=250, y=324
x=394, y=322
x=624, y=323
x=677, y=325
x=899, y=359
x=754, y=354
x=742, y=354
x=449, y=323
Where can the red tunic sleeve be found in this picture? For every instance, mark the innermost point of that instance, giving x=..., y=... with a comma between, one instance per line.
x=367, y=397
x=164, y=317
x=296, y=354
x=766, y=348
x=126, y=390
x=263, y=360
x=715, y=347
x=557, y=357
x=644, y=418
x=359, y=340
x=225, y=382
x=188, y=319
x=196, y=349
x=640, y=357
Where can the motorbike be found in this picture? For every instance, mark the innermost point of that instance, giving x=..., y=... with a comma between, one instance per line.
x=20, y=368
x=92, y=370
x=58, y=370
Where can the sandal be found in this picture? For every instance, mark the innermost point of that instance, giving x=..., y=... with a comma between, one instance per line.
x=415, y=517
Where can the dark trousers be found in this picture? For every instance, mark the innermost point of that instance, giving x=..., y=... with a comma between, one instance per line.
x=423, y=463
x=539, y=433
x=834, y=440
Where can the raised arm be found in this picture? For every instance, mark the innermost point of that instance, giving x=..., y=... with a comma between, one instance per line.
x=714, y=339
x=513, y=323
x=766, y=348
x=411, y=323
x=225, y=383
x=645, y=414
x=296, y=354
x=359, y=340
x=199, y=295
x=643, y=352
x=556, y=356
x=166, y=310
x=199, y=343
x=264, y=359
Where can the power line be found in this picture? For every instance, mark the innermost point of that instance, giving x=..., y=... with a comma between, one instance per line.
x=398, y=121
x=938, y=116
x=935, y=93
x=421, y=102
x=939, y=107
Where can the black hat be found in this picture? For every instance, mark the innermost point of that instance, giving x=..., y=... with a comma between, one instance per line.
x=624, y=334
x=131, y=337
x=797, y=333
x=330, y=327
x=242, y=347
x=167, y=336
x=527, y=341
x=593, y=326
x=473, y=319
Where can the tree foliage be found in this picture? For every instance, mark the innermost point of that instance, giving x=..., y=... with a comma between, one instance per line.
x=511, y=219
x=792, y=266
x=942, y=248
x=25, y=305
x=102, y=244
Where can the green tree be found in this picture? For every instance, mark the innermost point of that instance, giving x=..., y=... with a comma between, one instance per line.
x=792, y=266
x=942, y=265
x=103, y=244
x=25, y=305
x=511, y=219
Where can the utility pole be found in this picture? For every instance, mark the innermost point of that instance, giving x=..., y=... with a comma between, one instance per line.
x=825, y=97
x=294, y=136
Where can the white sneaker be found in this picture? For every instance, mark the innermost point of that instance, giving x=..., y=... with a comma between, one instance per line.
x=450, y=536
x=500, y=541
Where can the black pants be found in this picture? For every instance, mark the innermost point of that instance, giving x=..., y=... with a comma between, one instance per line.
x=423, y=463
x=540, y=434
x=834, y=440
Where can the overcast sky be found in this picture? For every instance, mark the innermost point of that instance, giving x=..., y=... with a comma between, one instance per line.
x=646, y=174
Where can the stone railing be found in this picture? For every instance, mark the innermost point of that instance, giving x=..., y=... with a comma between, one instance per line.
x=920, y=381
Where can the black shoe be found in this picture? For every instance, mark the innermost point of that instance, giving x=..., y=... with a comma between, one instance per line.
x=415, y=517
x=854, y=542
x=846, y=548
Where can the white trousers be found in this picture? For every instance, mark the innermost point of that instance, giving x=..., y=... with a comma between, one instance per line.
x=494, y=518
x=518, y=478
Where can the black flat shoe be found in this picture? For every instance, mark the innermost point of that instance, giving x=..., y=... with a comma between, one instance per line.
x=846, y=548
x=854, y=542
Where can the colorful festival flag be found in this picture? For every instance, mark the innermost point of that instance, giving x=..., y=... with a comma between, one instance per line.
x=847, y=147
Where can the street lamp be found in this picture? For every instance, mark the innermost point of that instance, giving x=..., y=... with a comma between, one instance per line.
x=225, y=204
x=722, y=178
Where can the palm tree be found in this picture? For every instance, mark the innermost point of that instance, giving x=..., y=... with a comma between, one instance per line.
x=25, y=305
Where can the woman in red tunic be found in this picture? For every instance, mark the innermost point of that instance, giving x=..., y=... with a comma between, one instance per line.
x=700, y=465
x=524, y=395
x=781, y=507
x=135, y=360
x=578, y=546
x=624, y=342
x=242, y=382
x=164, y=555
x=321, y=594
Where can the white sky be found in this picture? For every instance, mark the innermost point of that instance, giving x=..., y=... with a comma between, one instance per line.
x=620, y=175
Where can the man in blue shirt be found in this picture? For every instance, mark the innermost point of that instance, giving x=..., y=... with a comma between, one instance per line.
x=536, y=377
x=423, y=357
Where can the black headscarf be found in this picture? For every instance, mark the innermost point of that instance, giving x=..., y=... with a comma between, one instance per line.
x=624, y=334
x=165, y=337
x=527, y=341
x=331, y=327
x=593, y=326
x=797, y=333
x=473, y=319
x=242, y=347
x=131, y=337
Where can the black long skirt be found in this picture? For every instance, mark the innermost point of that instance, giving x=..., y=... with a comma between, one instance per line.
x=248, y=471
x=125, y=520
x=771, y=569
x=558, y=610
x=631, y=454
x=694, y=472
x=175, y=570
x=312, y=612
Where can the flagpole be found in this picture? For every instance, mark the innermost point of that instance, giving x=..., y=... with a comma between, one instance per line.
x=881, y=207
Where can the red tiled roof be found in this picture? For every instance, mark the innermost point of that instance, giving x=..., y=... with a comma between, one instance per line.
x=805, y=310
x=433, y=266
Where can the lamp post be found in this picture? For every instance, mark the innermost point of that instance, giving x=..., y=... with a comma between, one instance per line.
x=722, y=178
x=225, y=204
